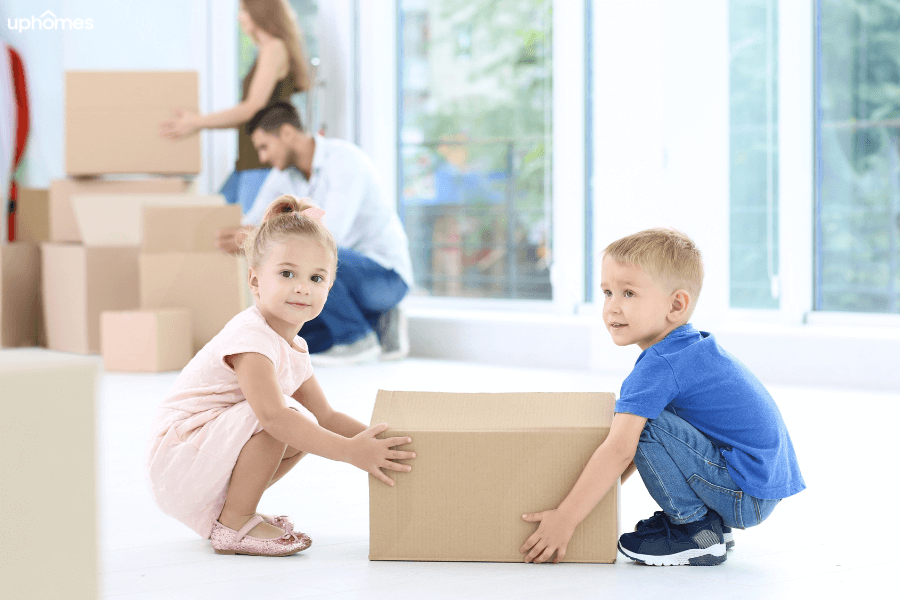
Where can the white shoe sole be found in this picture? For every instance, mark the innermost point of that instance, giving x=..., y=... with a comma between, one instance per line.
x=712, y=555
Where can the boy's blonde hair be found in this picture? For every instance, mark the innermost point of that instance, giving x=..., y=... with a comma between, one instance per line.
x=281, y=222
x=666, y=255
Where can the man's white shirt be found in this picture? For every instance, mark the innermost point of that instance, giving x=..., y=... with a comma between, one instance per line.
x=344, y=184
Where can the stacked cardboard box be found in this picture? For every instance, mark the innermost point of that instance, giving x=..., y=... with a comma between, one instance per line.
x=180, y=267
x=117, y=163
x=81, y=281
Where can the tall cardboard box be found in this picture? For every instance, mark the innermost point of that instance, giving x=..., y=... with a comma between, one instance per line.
x=484, y=460
x=63, y=227
x=49, y=467
x=113, y=120
x=20, y=294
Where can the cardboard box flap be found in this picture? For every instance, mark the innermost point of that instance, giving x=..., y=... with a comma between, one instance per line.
x=521, y=411
x=121, y=89
x=116, y=219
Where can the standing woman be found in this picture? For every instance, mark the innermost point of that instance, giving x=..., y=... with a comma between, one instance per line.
x=279, y=71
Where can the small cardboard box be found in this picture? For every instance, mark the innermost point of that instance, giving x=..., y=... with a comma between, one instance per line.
x=20, y=294
x=146, y=340
x=113, y=122
x=63, y=227
x=206, y=283
x=48, y=428
x=33, y=215
x=484, y=460
x=187, y=229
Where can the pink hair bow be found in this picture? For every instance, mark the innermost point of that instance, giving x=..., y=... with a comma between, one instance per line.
x=313, y=212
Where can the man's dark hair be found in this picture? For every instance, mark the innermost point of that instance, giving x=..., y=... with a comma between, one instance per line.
x=272, y=117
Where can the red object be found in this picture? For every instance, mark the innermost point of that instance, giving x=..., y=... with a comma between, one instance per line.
x=22, y=126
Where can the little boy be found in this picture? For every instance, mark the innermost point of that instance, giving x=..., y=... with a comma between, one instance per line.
x=705, y=435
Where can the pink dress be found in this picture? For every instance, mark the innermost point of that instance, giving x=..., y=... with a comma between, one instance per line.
x=202, y=426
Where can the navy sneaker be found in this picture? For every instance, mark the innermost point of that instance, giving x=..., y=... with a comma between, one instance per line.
x=660, y=542
x=726, y=530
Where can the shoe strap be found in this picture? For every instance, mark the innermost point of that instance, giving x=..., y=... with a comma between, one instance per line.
x=247, y=527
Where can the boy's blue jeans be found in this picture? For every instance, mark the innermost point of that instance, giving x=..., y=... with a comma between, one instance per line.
x=687, y=476
x=363, y=290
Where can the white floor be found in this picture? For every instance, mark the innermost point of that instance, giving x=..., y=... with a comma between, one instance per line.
x=837, y=539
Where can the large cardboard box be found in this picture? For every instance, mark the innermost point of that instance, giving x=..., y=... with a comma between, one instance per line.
x=33, y=215
x=20, y=294
x=113, y=122
x=81, y=282
x=206, y=283
x=63, y=227
x=146, y=340
x=49, y=467
x=484, y=460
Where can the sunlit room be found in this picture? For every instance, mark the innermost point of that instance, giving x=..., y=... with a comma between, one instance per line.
x=339, y=299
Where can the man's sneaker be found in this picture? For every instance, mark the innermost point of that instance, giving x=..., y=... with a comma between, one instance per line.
x=393, y=334
x=726, y=530
x=363, y=350
x=660, y=542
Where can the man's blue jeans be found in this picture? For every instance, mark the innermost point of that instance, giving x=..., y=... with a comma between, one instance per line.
x=243, y=186
x=363, y=290
x=687, y=476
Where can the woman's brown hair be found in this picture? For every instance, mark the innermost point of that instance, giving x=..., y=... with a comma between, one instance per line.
x=277, y=18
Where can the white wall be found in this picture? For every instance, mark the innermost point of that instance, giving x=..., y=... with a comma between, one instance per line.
x=126, y=35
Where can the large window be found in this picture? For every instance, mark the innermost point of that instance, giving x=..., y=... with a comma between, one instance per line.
x=475, y=129
x=753, y=72
x=857, y=213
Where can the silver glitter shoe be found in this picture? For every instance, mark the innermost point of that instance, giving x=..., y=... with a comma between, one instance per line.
x=228, y=541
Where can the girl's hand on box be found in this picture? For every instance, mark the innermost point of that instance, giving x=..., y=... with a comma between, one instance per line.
x=183, y=123
x=372, y=455
x=553, y=535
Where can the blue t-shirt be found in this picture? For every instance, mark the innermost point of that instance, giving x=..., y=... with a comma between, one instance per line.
x=690, y=375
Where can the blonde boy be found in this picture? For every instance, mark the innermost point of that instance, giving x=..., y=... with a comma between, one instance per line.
x=703, y=432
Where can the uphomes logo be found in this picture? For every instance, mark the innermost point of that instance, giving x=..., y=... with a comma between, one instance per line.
x=49, y=21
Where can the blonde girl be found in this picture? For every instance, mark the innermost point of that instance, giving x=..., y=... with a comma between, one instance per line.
x=247, y=407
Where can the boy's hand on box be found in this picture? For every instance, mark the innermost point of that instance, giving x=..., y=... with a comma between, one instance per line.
x=372, y=454
x=552, y=535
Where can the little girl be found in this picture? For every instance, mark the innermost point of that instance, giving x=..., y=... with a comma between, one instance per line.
x=233, y=423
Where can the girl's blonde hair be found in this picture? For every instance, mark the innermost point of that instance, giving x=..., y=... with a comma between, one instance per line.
x=282, y=222
x=277, y=18
x=666, y=255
